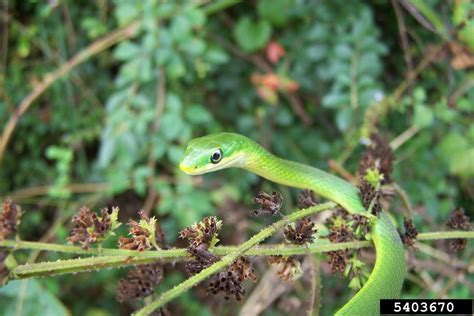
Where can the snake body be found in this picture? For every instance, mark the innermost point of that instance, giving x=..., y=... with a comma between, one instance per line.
x=225, y=150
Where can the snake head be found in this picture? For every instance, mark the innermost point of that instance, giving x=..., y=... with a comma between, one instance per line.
x=213, y=152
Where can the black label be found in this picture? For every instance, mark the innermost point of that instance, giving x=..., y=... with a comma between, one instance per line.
x=421, y=306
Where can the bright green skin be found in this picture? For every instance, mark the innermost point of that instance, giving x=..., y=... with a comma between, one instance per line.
x=388, y=274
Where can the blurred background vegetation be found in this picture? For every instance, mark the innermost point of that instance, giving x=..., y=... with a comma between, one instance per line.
x=99, y=98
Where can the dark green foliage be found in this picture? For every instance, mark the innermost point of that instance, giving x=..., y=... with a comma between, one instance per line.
x=113, y=130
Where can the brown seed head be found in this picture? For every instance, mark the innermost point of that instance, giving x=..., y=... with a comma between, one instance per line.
x=269, y=204
x=9, y=218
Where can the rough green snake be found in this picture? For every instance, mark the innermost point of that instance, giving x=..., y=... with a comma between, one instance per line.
x=225, y=150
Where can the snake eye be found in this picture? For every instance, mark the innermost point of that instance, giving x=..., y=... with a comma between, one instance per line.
x=216, y=156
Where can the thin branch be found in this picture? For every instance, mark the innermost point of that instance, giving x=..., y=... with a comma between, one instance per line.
x=404, y=137
x=343, y=172
x=403, y=35
x=44, y=190
x=93, y=49
x=417, y=15
x=4, y=54
x=405, y=199
x=443, y=269
x=71, y=38
x=378, y=110
x=463, y=88
x=299, y=110
x=315, y=279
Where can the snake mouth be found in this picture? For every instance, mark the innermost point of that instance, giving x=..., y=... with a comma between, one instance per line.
x=188, y=169
x=193, y=170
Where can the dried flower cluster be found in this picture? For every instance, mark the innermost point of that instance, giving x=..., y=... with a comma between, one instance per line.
x=339, y=259
x=374, y=170
x=302, y=233
x=360, y=226
x=269, y=204
x=9, y=218
x=9, y=221
x=145, y=234
x=370, y=196
x=91, y=228
x=201, y=237
x=205, y=232
x=140, y=282
x=289, y=267
x=409, y=237
x=307, y=199
x=201, y=259
x=339, y=217
x=229, y=282
x=341, y=233
x=378, y=156
x=459, y=220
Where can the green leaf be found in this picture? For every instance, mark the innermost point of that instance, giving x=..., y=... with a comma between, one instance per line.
x=423, y=116
x=425, y=9
x=126, y=50
x=462, y=163
x=118, y=181
x=173, y=103
x=344, y=118
x=175, y=68
x=127, y=12
x=175, y=153
x=275, y=11
x=216, y=56
x=140, y=176
x=196, y=17
x=461, y=11
x=35, y=299
x=466, y=34
x=252, y=36
x=171, y=126
x=180, y=27
x=193, y=46
x=197, y=114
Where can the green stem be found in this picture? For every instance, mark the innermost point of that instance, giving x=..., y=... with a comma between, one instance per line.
x=446, y=235
x=33, y=245
x=101, y=262
x=228, y=259
x=111, y=258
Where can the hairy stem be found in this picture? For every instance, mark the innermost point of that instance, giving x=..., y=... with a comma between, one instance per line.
x=109, y=258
